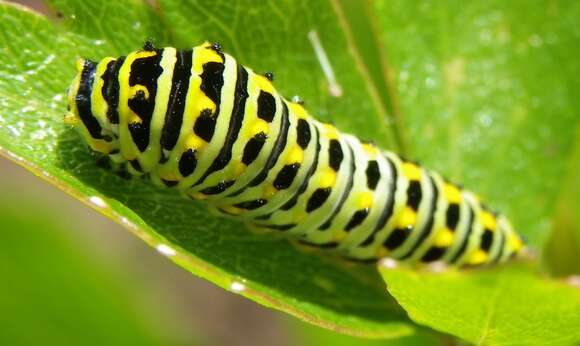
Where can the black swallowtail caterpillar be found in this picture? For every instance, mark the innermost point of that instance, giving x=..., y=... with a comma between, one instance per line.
x=197, y=121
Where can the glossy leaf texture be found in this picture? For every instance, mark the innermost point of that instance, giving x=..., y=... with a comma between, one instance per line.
x=485, y=93
x=506, y=306
x=37, y=64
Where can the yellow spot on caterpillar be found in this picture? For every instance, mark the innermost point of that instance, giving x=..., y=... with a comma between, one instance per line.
x=205, y=103
x=71, y=119
x=135, y=119
x=408, y=218
x=135, y=88
x=100, y=146
x=129, y=155
x=204, y=55
x=331, y=131
x=264, y=84
x=477, y=257
x=365, y=200
x=170, y=175
x=488, y=220
x=199, y=196
x=444, y=238
x=194, y=142
x=340, y=235
x=232, y=210
x=239, y=169
x=269, y=192
x=370, y=149
x=411, y=171
x=382, y=252
x=299, y=216
x=260, y=125
x=297, y=110
x=143, y=54
x=328, y=178
x=452, y=193
x=296, y=155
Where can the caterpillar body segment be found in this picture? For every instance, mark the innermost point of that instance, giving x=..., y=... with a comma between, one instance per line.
x=197, y=121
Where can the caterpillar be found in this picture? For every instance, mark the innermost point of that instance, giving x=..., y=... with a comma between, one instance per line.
x=196, y=121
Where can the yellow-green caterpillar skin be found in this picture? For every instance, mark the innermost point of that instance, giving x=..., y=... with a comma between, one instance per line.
x=197, y=121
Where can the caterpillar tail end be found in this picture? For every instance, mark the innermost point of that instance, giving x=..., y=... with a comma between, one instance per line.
x=523, y=250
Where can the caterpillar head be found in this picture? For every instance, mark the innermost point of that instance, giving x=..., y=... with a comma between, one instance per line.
x=87, y=110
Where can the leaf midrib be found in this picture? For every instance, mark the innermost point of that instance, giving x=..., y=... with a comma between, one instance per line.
x=380, y=102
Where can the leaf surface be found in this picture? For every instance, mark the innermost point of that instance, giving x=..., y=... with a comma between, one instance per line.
x=36, y=68
x=510, y=305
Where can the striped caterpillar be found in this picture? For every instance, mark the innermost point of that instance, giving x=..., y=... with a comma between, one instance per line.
x=197, y=121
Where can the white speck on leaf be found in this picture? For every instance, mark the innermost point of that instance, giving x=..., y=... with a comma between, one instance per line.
x=165, y=250
x=28, y=109
x=388, y=263
x=98, y=201
x=237, y=286
x=437, y=267
x=38, y=135
x=13, y=130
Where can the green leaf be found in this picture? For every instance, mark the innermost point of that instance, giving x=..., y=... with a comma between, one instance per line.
x=507, y=306
x=486, y=95
x=308, y=335
x=114, y=26
x=35, y=69
x=481, y=91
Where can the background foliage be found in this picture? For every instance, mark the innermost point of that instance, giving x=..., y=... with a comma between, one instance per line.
x=480, y=91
